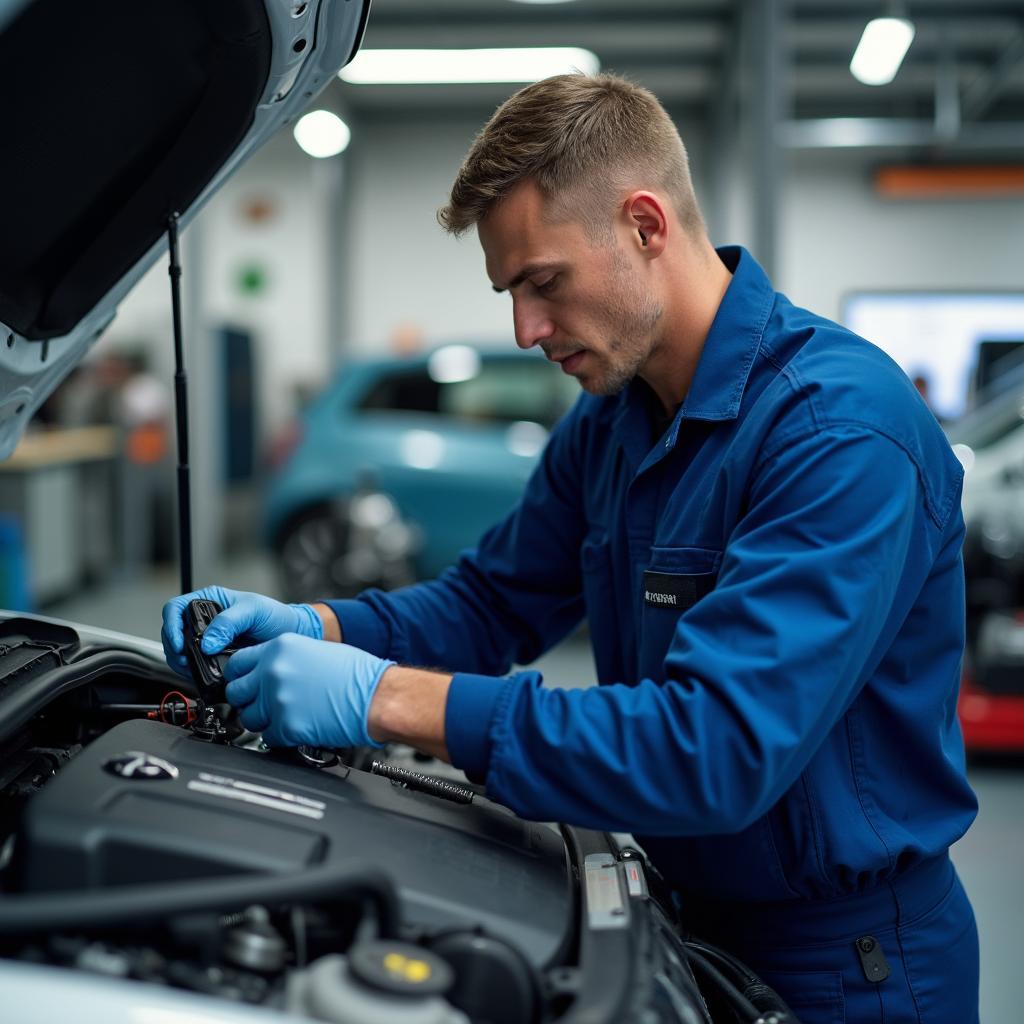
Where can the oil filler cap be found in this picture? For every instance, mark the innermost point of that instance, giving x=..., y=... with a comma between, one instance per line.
x=400, y=968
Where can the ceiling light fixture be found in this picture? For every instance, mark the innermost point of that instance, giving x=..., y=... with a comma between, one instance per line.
x=881, y=50
x=444, y=67
x=321, y=134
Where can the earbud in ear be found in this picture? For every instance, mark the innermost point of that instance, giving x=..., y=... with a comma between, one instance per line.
x=643, y=238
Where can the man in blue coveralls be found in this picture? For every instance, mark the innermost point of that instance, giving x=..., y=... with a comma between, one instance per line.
x=760, y=520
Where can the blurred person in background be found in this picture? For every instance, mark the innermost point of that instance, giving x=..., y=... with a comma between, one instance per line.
x=761, y=521
x=922, y=384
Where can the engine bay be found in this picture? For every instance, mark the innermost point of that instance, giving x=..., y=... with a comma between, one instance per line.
x=149, y=802
x=140, y=847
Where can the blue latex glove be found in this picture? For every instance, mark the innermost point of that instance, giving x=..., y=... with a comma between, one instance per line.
x=299, y=691
x=251, y=615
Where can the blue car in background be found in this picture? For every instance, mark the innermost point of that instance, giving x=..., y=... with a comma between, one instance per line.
x=401, y=463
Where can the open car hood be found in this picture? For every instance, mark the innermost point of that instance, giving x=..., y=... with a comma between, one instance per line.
x=125, y=114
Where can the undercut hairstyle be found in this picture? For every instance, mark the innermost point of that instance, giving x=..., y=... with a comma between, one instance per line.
x=586, y=140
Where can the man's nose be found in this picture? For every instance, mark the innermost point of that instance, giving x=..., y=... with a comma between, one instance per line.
x=531, y=324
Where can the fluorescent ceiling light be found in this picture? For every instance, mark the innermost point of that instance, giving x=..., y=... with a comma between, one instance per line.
x=435, y=67
x=321, y=133
x=881, y=50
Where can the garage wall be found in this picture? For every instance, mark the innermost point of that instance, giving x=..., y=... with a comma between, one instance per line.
x=402, y=267
x=393, y=266
x=837, y=236
x=273, y=218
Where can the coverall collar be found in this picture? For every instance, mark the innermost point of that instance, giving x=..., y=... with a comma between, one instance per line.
x=732, y=342
x=724, y=366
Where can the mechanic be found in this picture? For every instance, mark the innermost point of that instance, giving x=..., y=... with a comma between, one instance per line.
x=760, y=520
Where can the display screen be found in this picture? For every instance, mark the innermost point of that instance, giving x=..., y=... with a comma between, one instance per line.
x=958, y=342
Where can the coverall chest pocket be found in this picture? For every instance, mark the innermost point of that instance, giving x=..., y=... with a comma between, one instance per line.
x=674, y=581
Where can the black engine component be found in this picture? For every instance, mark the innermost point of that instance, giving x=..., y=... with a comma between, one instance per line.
x=256, y=944
x=494, y=983
x=207, y=669
x=267, y=878
x=223, y=811
x=30, y=647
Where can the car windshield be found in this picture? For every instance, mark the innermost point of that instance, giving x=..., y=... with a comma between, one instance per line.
x=501, y=391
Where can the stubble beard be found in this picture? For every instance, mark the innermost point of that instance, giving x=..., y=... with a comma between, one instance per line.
x=632, y=315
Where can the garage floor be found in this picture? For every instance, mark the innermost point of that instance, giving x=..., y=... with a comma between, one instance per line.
x=988, y=858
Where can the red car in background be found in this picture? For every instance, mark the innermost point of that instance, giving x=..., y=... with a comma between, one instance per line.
x=991, y=703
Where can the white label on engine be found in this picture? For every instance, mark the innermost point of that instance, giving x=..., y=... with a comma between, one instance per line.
x=262, y=796
x=606, y=905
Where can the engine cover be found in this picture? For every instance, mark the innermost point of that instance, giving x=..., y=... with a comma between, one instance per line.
x=190, y=809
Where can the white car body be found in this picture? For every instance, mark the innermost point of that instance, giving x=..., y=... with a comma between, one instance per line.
x=328, y=32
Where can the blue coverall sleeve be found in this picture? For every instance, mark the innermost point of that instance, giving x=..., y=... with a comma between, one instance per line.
x=507, y=601
x=816, y=579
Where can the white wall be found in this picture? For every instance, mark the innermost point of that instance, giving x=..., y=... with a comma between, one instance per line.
x=837, y=236
x=403, y=268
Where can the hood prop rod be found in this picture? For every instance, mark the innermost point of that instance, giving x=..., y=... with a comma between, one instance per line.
x=180, y=413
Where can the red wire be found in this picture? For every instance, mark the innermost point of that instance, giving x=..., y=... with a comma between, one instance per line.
x=189, y=712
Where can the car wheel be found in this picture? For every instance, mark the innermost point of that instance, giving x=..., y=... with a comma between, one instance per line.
x=340, y=550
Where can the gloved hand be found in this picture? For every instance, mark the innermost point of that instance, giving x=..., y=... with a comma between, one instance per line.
x=252, y=615
x=298, y=691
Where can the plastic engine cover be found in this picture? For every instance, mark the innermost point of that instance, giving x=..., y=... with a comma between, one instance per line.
x=114, y=818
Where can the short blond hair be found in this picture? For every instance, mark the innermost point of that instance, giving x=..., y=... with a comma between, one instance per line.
x=585, y=140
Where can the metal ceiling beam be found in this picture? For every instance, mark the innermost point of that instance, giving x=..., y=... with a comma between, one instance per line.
x=838, y=37
x=886, y=133
x=679, y=49
x=986, y=89
x=499, y=17
x=920, y=10
x=653, y=38
x=673, y=86
x=947, y=91
x=582, y=10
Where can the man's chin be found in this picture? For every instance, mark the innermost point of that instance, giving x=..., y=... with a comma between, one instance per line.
x=600, y=386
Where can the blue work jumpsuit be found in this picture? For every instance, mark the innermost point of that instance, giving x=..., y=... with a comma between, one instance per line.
x=775, y=597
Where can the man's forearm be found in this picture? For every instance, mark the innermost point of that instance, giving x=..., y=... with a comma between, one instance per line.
x=409, y=707
x=332, y=627
x=409, y=704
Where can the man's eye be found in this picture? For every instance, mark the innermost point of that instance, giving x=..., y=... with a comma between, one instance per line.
x=548, y=285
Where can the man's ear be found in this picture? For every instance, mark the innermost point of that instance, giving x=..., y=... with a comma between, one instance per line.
x=647, y=222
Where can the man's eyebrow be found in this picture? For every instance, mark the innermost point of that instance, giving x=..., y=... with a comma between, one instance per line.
x=527, y=271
